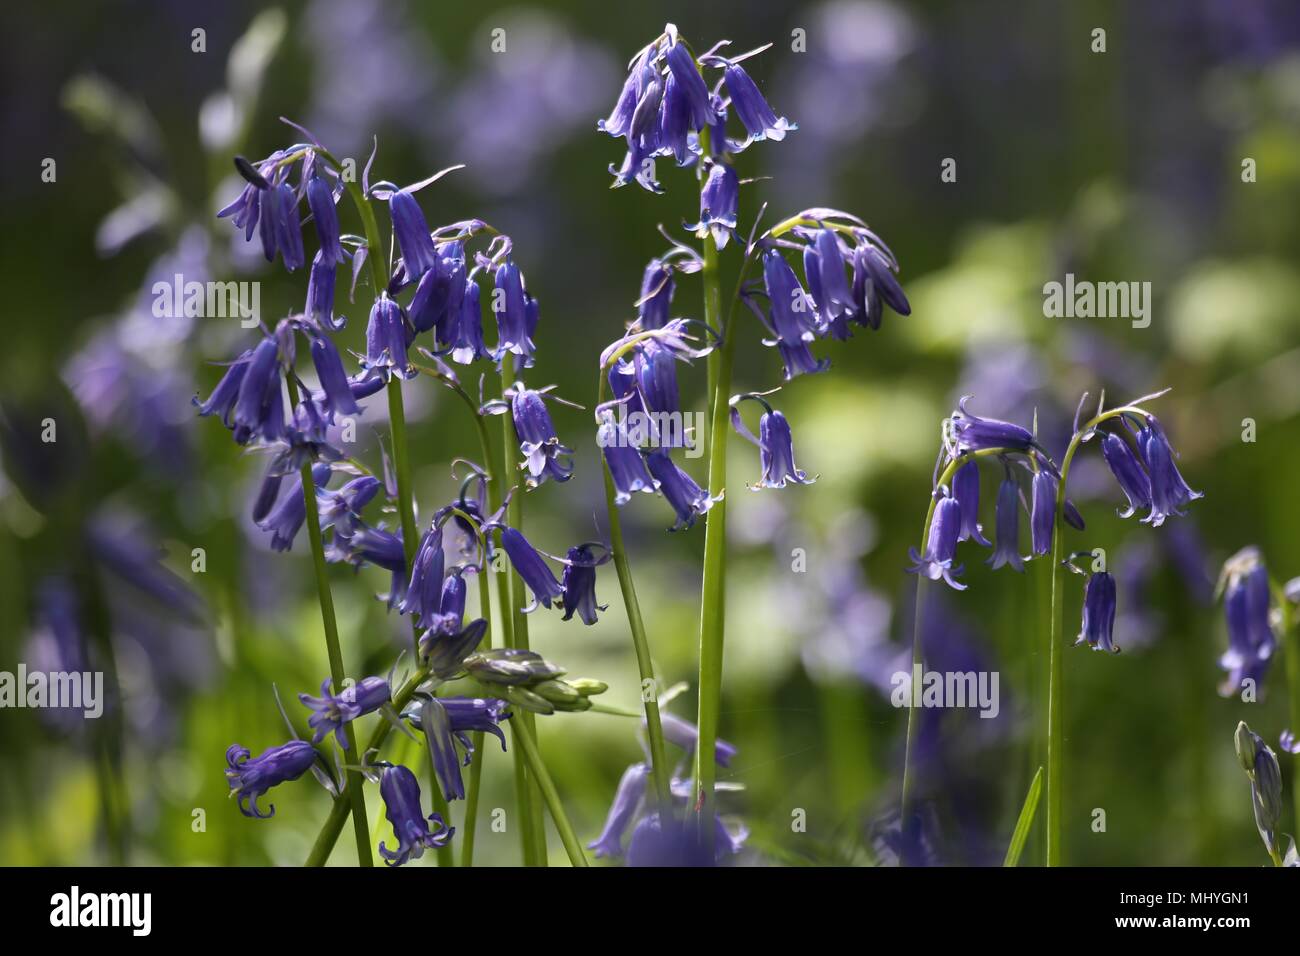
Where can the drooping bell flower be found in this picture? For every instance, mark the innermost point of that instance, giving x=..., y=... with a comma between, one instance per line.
x=544, y=456
x=875, y=286
x=619, y=121
x=1007, y=520
x=792, y=315
x=760, y=120
x=1169, y=492
x=626, y=466
x=631, y=788
x=531, y=568
x=285, y=520
x=682, y=733
x=221, y=402
x=656, y=295
x=656, y=379
x=687, y=75
x=387, y=336
x=331, y=711
x=967, y=432
x=687, y=498
x=510, y=308
x=775, y=445
x=424, y=591
x=320, y=294
x=466, y=334
x=250, y=779
x=823, y=264
x=245, y=210
x=579, y=584
x=342, y=508
x=718, y=201
x=1042, y=513
x=436, y=725
x=259, y=407
x=469, y=715
x=1247, y=605
x=1099, y=613
x=677, y=843
x=1133, y=480
x=363, y=544
x=288, y=230
x=414, y=832
x=413, y=239
x=320, y=200
x=799, y=360
x=446, y=651
x=451, y=605
x=966, y=489
x=336, y=389
x=941, y=545
x=675, y=121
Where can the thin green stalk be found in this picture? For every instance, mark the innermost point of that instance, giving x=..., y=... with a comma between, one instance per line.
x=1025, y=821
x=329, y=833
x=476, y=763
x=354, y=788
x=524, y=738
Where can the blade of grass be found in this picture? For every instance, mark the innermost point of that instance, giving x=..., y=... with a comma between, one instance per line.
x=1026, y=821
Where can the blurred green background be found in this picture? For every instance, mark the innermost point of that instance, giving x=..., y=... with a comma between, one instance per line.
x=1117, y=166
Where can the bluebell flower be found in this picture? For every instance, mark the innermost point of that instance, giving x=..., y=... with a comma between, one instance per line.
x=1042, y=511
x=656, y=296
x=468, y=715
x=244, y=211
x=619, y=121
x=510, y=306
x=320, y=200
x=966, y=489
x=342, y=508
x=387, y=336
x=874, y=286
x=941, y=544
x=631, y=788
x=267, y=493
x=1169, y=492
x=1247, y=607
x=626, y=466
x=466, y=334
x=656, y=378
x=799, y=360
x=412, y=231
x=320, y=293
x=424, y=591
x=259, y=407
x=638, y=167
x=337, y=397
x=1007, y=519
x=544, y=456
x=675, y=121
x=250, y=779
x=679, y=843
x=401, y=793
x=828, y=284
x=965, y=432
x=793, y=319
x=288, y=517
x=687, y=75
x=1099, y=613
x=1132, y=478
x=531, y=568
x=1260, y=763
x=718, y=202
x=331, y=711
x=451, y=605
x=440, y=295
x=682, y=733
x=436, y=725
x=221, y=402
x=688, y=499
x=288, y=230
x=760, y=120
x=446, y=648
x=362, y=544
x=579, y=584
x=775, y=445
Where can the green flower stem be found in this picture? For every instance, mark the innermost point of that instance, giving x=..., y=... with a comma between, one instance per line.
x=329, y=833
x=354, y=791
x=476, y=763
x=918, y=654
x=524, y=739
x=640, y=643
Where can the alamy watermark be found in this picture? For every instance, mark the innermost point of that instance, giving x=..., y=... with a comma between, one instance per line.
x=1082, y=299
x=208, y=300
x=63, y=690
x=943, y=689
x=641, y=429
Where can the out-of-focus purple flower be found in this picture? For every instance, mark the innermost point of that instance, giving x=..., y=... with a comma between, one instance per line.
x=760, y=120
x=679, y=843
x=1099, y=613
x=1042, y=513
x=401, y=793
x=941, y=545
x=412, y=231
x=387, y=336
x=320, y=200
x=531, y=568
x=544, y=456
x=1133, y=480
x=631, y=788
x=966, y=489
x=331, y=711
x=687, y=498
x=718, y=201
x=1247, y=609
x=1288, y=741
x=250, y=779
x=362, y=544
x=579, y=584
x=1169, y=492
x=682, y=733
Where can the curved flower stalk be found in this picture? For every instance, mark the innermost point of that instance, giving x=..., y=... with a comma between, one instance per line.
x=1138, y=453
x=667, y=109
x=433, y=285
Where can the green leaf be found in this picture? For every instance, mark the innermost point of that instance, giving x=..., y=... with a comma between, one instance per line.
x=1026, y=820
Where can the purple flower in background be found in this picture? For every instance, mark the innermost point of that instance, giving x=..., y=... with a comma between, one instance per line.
x=1247, y=609
x=1169, y=492
x=760, y=120
x=718, y=201
x=401, y=793
x=631, y=788
x=684, y=734
x=678, y=843
x=544, y=456
x=330, y=711
x=1042, y=513
x=1133, y=480
x=941, y=545
x=412, y=231
x=1098, y=613
x=531, y=567
x=579, y=584
x=1008, y=519
x=687, y=498
x=250, y=779
x=966, y=489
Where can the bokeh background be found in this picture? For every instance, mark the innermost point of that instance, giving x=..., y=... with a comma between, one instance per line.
x=1125, y=165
